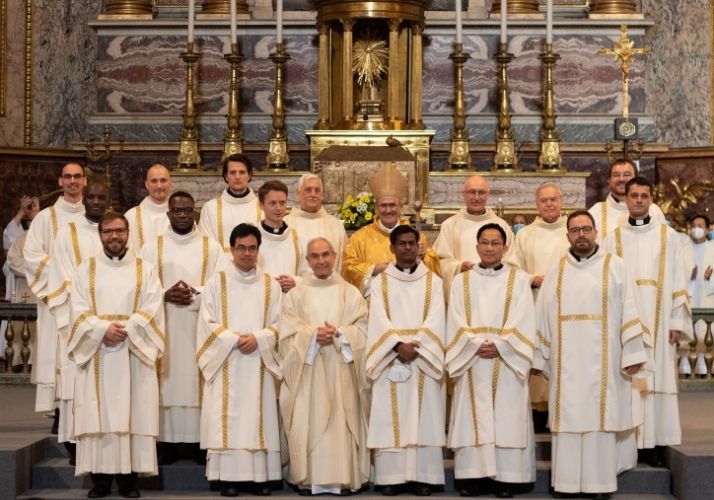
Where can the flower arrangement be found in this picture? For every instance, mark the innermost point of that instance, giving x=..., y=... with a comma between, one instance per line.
x=357, y=211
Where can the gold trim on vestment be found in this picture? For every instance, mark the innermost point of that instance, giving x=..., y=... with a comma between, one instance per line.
x=542, y=338
x=628, y=325
x=224, y=323
x=258, y=213
x=152, y=323
x=385, y=296
x=139, y=226
x=402, y=332
x=680, y=293
x=113, y=317
x=427, y=295
x=491, y=329
x=219, y=223
x=59, y=290
x=603, y=217
x=224, y=406
x=97, y=391
x=618, y=241
x=210, y=340
x=646, y=282
x=474, y=415
x=467, y=301
x=296, y=247
x=395, y=413
x=54, y=221
x=92, y=283
x=506, y=310
x=75, y=243
x=604, y=339
x=76, y=324
x=204, y=262
x=139, y=284
x=558, y=367
x=581, y=317
x=160, y=257
x=660, y=280
x=261, y=429
x=40, y=268
x=420, y=388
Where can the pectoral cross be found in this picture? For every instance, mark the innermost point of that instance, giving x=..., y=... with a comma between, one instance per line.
x=624, y=51
x=25, y=297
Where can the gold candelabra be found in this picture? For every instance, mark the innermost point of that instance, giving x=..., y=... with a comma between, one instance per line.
x=549, y=158
x=278, y=158
x=459, y=156
x=233, y=138
x=505, y=157
x=188, y=157
x=104, y=154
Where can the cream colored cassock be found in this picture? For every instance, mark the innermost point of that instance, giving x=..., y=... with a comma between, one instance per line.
x=407, y=418
x=536, y=248
x=653, y=257
x=319, y=225
x=75, y=243
x=282, y=253
x=147, y=220
x=456, y=242
x=192, y=258
x=369, y=246
x=239, y=412
x=490, y=429
x=116, y=398
x=221, y=215
x=583, y=348
x=38, y=254
x=323, y=398
x=608, y=214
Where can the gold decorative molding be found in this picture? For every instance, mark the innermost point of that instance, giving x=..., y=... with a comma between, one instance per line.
x=27, y=125
x=128, y=8
x=3, y=54
x=614, y=7
x=223, y=7
x=516, y=7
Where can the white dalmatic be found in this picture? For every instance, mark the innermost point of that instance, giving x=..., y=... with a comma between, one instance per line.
x=324, y=395
x=116, y=399
x=652, y=253
x=407, y=418
x=192, y=258
x=239, y=414
x=147, y=220
x=282, y=253
x=456, y=242
x=610, y=213
x=38, y=257
x=75, y=243
x=490, y=428
x=222, y=214
x=319, y=224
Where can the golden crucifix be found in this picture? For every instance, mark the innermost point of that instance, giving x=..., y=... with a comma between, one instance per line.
x=624, y=51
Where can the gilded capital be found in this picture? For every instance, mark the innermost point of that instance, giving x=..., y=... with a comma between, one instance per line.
x=614, y=7
x=516, y=7
x=128, y=7
x=224, y=7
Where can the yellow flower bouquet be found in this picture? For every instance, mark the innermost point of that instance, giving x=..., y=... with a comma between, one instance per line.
x=357, y=211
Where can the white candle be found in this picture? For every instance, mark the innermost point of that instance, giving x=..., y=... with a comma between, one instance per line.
x=279, y=19
x=234, y=29
x=504, y=17
x=191, y=9
x=549, y=22
x=458, y=21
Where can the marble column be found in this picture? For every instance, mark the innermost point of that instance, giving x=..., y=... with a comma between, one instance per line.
x=415, y=78
x=347, y=83
x=224, y=7
x=128, y=7
x=614, y=7
x=323, y=122
x=516, y=7
x=393, y=75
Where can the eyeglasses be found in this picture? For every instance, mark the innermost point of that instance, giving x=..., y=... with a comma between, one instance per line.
x=118, y=232
x=244, y=249
x=180, y=211
x=490, y=243
x=476, y=192
x=70, y=177
x=578, y=230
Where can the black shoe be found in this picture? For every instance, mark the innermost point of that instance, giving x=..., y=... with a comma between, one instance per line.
x=262, y=490
x=229, y=491
x=55, y=422
x=502, y=490
x=166, y=453
x=560, y=494
x=304, y=492
x=72, y=450
x=98, y=491
x=129, y=492
x=421, y=489
x=199, y=455
x=390, y=490
x=345, y=492
x=601, y=496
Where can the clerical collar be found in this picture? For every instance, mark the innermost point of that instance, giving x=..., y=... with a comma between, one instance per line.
x=274, y=230
x=580, y=259
x=495, y=268
x=639, y=222
x=385, y=228
x=116, y=258
x=247, y=274
x=410, y=270
x=613, y=198
x=242, y=195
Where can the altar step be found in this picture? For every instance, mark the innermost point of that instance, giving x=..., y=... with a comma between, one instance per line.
x=54, y=478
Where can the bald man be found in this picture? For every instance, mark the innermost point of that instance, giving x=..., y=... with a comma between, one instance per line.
x=148, y=219
x=456, y=243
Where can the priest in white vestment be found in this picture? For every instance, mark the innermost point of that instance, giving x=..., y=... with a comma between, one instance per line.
x=536, y=248
x=323, y=397
x=591, y=346
x=184, y=259
x=235, y=205
x=38, y=258
x=281, y=249
x=652, y=253
x=75, y=243
x=117, y=335
x=236, y=353
x=609, y=212
x=148, y=219
x=456, y=243
x=491, y=339
x=405, y=362
x=311, y=220
x=368, y=252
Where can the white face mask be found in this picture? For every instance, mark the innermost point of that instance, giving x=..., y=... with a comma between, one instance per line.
x=697, y=233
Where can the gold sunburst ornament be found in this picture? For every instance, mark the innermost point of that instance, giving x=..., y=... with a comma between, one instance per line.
x=370, y=59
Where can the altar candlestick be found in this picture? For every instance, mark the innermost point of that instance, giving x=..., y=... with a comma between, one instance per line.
x=549, y=23
x=191, y=9
x=234, y=29
x=504, y=16
x=279, y=19
x=458, y=22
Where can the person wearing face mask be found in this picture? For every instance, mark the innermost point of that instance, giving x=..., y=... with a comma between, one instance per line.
x=518, y=222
